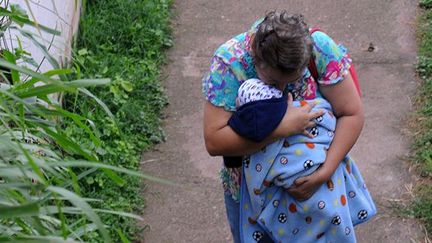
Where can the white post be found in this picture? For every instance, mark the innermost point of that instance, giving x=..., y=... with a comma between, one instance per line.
x=62, y=15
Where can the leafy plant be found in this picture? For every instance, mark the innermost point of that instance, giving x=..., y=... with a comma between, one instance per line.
x=42, y=167
x=422, y=147
x=124, y=40
x=425, y=3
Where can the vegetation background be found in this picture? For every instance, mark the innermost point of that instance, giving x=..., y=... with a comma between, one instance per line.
x=70, y=168
x=123, y=40
x=422, y=147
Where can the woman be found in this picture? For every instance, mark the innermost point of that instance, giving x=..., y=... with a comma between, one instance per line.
x=277, y=51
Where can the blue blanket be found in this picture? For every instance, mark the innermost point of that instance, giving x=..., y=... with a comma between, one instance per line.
x=329, y=215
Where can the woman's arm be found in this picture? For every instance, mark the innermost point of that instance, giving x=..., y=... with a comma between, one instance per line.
x=220, y=139
x=348, y=109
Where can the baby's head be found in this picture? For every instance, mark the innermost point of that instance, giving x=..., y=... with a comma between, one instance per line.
x=255, y=89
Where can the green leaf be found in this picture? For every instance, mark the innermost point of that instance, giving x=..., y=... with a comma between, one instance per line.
x=24, y=210
x=100, y=102
x=82, y=83
x=67, y=144
x=76, y=210
x=33, y=165
x=6, y=64
x=60, y=87
x=128, y=86
x=124, y=214
x=82, y=163
x=57, y=111
x=123, y=238
x=7, y=55
x=113, y=176
x=85, y=207
x=44, y=90
x=82, y=52
x=37, y=239
x=50, y=73
x=84, y=230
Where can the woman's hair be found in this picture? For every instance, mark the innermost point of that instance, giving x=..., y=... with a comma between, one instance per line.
x=282, y=41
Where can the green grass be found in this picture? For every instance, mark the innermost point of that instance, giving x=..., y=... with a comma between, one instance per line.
x=41, y=192
x=427, y=4
x=123, y=40
x=422, y=147
x=422, y=205
x=423, y=142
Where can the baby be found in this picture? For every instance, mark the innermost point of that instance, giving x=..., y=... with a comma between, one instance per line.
x=254, y=90
x=266, y=208
x=250, y=91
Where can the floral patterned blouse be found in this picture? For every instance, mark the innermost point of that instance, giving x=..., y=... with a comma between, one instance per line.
x=232, y=64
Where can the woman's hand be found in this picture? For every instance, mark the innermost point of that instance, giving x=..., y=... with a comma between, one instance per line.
x=348, y=109
x=220, y=139
x=297, y=120
x=304, y=187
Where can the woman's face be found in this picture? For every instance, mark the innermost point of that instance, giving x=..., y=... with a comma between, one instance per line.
x=276, y=78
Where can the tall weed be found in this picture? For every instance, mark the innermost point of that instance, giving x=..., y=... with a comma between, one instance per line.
x=51, y=155
x=42, y=167
x=123, y=40
x=422, y=147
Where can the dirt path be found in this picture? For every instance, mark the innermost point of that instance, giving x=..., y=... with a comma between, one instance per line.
x=195, y=212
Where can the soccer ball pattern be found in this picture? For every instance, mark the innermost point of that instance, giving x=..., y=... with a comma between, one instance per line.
x=347, y=231
x=308, y=164
x=257, y=235
x=362, y=214
x=283, y=160
x=314, y=131
x=282, y=218
x=336, y=220
x=246, y=161
x=321, y=204
x=258, y=167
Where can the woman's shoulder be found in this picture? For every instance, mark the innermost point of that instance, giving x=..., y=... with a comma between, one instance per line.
x=324, y=44
x=319, y=35
x=331, y=58
x=227, y=71
x=236, y=54
x=230, y=66
x=239, y=45
x=233, y=48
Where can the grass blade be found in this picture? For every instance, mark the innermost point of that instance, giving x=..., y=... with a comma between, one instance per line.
x=77, y=201
x=82, y=163
x=23, y=210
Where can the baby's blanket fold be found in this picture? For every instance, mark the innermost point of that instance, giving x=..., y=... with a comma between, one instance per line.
x=328, y=216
